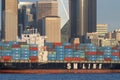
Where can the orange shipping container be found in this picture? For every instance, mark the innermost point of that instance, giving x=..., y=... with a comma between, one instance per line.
x=33, y=48
x=68, y=47
x=108, y=59
x=99, y=53
x=33, y=58
x=16, y=46
x=91, y=53
x=78, y=59
x=7, y=58
x=68, y=59
x=115, y=53
x=114, y=48
x=57, y=44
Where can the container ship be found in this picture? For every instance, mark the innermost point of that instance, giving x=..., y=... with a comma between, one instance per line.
x=32, y=55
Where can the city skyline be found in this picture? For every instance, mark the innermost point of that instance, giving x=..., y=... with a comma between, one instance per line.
x=104, y=13
x=82, y=17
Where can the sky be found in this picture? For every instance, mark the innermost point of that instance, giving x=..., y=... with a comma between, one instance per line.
x=108, y=12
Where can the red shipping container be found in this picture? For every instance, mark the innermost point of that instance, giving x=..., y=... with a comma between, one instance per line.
x=114, y=48
x=78, y=59
x=108, y=59
x=33, y=58
x=1, y=47
x=99, y=53
x=16, y=46
x=57, y=44
x=68, y=59
x=115, y=53
x=82, y=59
x=91, y=53
x=7, y=58
x=68, y=47
x=33, y=48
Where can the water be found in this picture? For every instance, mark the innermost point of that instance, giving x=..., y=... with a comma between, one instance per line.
x=60, y=76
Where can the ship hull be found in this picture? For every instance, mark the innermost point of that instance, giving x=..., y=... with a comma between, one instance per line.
x=26, y=67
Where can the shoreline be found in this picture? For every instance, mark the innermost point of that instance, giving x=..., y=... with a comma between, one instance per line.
x=43, y=71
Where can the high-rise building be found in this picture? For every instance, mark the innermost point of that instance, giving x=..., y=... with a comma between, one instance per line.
x=52, y=28
x=26, y=14
x=102, y=29
x=82, y=17
x=9, y=20
x=46, y=8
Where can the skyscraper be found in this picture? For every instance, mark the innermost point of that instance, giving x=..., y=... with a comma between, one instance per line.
x=82, y=17
x=9, y=20
x=52, y=29
x=46, y=8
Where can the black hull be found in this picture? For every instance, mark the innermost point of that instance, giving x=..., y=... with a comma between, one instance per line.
x=24, y=65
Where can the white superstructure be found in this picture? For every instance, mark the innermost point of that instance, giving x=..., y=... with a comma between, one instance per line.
x=31, y=36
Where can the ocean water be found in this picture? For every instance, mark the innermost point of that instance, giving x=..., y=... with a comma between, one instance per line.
x=60, y=76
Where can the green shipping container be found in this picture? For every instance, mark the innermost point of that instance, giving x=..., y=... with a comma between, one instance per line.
x=82, y=56
x=7, y=48
x=54, y=53
x=24, y=46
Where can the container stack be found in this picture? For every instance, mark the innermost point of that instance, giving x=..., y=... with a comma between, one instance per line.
x=69, y=53
x=82, y=46
x=60, y=52
x=52, y=56
x=7, y=51
x=100, y=56
x=1, y=49
x=107, y=53
x=16, y=51
x=91, y=52
x=24, y=52
x=79, y=55
x=115, y=55
x=33, y=52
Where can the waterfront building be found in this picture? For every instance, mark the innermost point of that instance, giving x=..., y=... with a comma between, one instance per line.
x=9, y=20
x=102, y=29
x=52, y=28
x=45, y=8
x=82, y=17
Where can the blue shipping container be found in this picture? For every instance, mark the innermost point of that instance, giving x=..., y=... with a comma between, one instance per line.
x=33, y=54
x=24, y=58
x=33, y=45
x=115, y=58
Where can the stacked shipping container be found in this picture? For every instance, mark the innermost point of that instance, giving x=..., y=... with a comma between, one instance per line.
x=33, y=52
x=12, y=51
x=24, y=52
